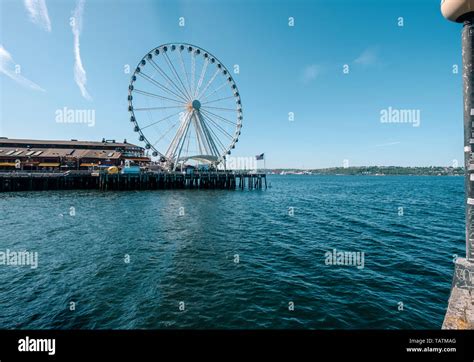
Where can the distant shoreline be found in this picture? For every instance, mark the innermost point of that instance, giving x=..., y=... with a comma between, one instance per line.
x=372, y=171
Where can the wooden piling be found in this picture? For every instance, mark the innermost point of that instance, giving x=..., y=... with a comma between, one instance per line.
x=10, y=181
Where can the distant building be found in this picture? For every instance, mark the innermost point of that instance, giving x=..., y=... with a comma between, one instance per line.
x=38, y=155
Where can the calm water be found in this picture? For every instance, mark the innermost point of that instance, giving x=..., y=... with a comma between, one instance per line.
x=191, y=258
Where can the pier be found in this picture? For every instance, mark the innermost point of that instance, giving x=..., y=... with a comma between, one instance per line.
x=228, y=180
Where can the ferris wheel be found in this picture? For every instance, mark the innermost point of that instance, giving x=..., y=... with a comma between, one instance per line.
x=185, y=106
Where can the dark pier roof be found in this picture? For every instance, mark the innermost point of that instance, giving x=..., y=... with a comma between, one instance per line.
x=105, y=144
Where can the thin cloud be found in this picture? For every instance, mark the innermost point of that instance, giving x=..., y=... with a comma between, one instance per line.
x=388, y=144
x=310, y=73
x=79, y=71
x=38, y=13
x=7, y=67
x=368, y=57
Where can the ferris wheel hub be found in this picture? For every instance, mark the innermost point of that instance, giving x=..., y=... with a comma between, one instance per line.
x=196, y=105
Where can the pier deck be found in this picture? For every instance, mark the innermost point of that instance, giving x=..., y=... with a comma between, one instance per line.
x=23, y=181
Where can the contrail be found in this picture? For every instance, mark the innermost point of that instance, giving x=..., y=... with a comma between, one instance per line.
x=38, y=13
x=7, y=67
x=79, y=71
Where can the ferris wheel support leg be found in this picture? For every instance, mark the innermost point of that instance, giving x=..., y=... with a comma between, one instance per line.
x=202, y=140
x=208, y=135
x=182, y=140
x=171, y=152
x=198, y=137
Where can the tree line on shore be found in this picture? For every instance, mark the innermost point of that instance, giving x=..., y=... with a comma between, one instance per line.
x=380, y=170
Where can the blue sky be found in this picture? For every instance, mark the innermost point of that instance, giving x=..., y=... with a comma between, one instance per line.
x=283, y=69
